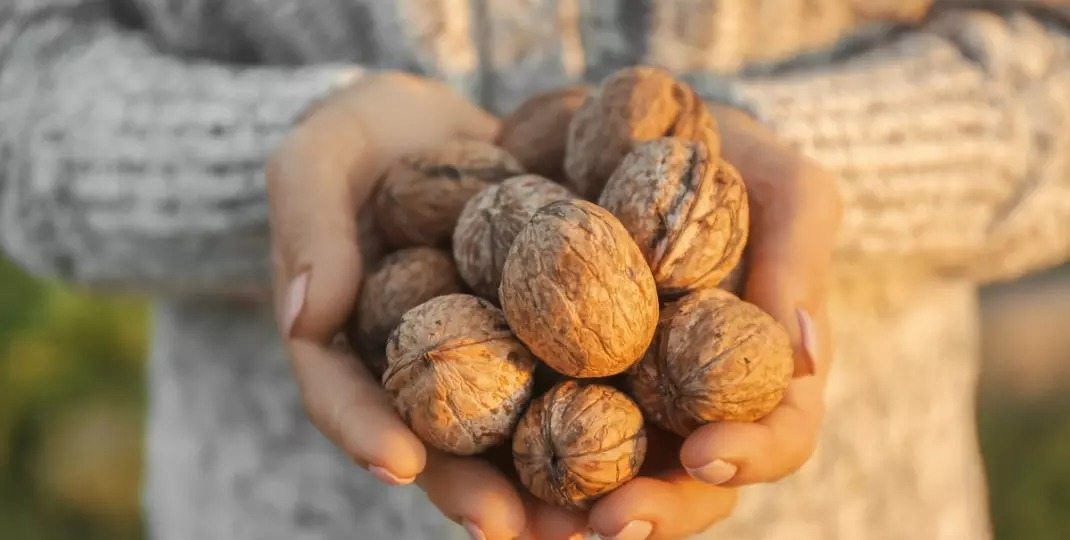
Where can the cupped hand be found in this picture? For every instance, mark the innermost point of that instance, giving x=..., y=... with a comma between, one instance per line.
x=318, y=181
x=687, y=486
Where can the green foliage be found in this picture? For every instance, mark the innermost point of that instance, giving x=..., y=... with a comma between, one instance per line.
x=1027, y=456
x=71, y=402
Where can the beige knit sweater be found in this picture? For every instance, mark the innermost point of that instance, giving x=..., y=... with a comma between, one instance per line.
x=133, y=134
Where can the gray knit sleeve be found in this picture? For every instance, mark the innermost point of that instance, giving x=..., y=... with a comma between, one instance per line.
x=952, y=142
x=122, y=167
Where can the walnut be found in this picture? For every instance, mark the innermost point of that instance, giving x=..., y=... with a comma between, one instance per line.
x=400, y=282
x=715, y=358
x=577, y=442
x=456, y=373
x=685, y=209
x=536, y=132
x=631, y=106
x=576, y=290
x=421, y=195
x=489, y=223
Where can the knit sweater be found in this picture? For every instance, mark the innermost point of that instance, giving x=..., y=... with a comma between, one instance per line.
x=133, y=135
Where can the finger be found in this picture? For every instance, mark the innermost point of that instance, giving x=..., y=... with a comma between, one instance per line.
x=736, y=453
x=473, y=493
x=347, y=405
x=548, y=522
x=670, y=506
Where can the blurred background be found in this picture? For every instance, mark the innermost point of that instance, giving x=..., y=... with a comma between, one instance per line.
x=72, y=408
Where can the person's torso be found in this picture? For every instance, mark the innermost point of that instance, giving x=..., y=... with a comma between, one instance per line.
x=898, y=455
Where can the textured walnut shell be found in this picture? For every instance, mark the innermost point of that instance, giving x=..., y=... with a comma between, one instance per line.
x=537, y=131
x=400, y=282
x=686, y=210
x=457, y=375
x=577, y=442
x=489, y=223
x=576, y=290
x=631, y=106
x=421, y=195
x=715, y=358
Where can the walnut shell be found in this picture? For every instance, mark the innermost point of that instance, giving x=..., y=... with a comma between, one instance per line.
x=685, y=209
x=457, y=375
x=400, y=282
x=576, y=290
x=421, y=195
x=715, y=358
x=578, y=442
x=489, y=223
x=537, y=131
x=631, y=106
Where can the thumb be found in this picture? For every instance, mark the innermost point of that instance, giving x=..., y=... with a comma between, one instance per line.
x=792, y=235
x=794, y=213
x=316, y=256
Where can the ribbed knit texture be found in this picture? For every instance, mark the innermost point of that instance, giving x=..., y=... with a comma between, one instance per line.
x=131, y=157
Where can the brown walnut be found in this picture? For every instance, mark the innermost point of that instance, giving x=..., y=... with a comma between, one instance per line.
x=578, y=442
x=457, y=375
x=537, y=131
x=421, y=195
x=576, y=290
x=685, y=209
x=401, y=281
x=715, y=358
x=631, y=106
x=489, y=223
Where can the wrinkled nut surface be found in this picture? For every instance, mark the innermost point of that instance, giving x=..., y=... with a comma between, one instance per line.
x=631, y=106
x=457, y=375
x=576, y=290
x=421, y=195
x=577, y=442
x=537, y=131
x=686, y=210
x=489, y=223
x=715, y=358
x=401, y=281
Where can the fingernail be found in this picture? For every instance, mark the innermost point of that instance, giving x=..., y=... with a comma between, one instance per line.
x=715, y=472
x=388, y=477
x=577, y=536
x=295, y=302
x=474, y=531
x=809, y=340
x=634, y=530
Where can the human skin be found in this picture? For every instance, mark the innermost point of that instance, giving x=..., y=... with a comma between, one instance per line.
x=318, y=181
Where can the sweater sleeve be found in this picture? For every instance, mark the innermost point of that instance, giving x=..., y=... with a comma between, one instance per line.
x=952, y=141
x=122, y=167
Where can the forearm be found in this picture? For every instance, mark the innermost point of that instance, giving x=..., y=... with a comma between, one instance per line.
x=946, y=139
x=127, y=168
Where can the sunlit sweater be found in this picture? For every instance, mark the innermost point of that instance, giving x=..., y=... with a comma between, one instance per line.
x=133, y=134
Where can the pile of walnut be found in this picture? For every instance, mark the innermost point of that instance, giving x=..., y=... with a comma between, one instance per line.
x=504, y=265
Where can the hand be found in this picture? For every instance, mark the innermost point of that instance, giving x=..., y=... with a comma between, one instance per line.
x=318, y=180
x=795, y=210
